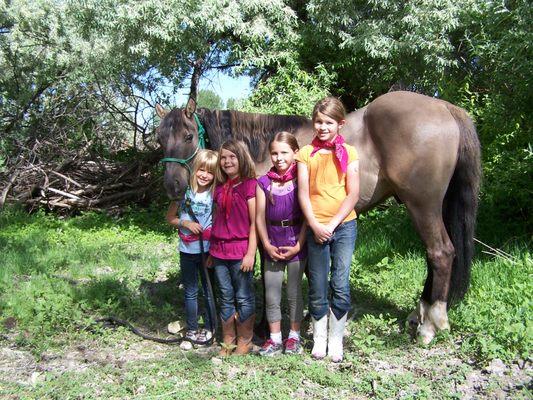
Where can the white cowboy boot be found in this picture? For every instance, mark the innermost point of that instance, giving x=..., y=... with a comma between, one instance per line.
x=336, y=333
x=320, y=337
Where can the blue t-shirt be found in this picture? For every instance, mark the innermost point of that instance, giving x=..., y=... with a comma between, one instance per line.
x=202, y=205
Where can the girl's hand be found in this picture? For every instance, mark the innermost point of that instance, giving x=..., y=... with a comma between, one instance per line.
x=322, y=233
x=288, y=252
x=248, y=263
x=209, y=261
x=194, y=227
x=273, y=252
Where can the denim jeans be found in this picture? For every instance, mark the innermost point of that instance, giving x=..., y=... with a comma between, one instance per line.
x=191, y=266
x=333, y=256
x=236, y=289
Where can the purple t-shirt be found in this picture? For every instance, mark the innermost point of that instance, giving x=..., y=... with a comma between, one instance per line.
x=285, y=207
x=229, y=237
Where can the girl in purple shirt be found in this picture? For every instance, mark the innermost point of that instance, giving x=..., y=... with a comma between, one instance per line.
x=281, y=228
x=233, y=245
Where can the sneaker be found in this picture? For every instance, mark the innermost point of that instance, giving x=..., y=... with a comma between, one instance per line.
x=270, y=348
x=191, y=336
x=204, y=336
x=293, y=346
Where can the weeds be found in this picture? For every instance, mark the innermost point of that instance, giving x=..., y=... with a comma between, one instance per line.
x=58, y=275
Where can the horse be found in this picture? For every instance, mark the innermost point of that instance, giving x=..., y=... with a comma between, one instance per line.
x=422, y=150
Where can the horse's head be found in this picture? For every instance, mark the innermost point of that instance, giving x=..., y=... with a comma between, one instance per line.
x=178, y=136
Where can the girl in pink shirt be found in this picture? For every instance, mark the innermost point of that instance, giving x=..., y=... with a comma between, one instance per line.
x=233, y=245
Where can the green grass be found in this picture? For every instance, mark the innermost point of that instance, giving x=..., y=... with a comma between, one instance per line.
x=58, y=275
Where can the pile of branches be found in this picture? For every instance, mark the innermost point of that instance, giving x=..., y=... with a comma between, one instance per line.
x=82, y=183
x=66, y=149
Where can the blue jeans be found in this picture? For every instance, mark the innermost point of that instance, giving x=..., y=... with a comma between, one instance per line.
x=235, y=288
x=191, y=266
x=333, y=256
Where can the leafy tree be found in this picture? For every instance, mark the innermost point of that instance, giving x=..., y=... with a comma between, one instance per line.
x=291, y=90
x=209, y=99
x=101, y=65
x=232, y=104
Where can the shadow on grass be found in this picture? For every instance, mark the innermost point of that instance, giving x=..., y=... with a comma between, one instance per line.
x=152, y=306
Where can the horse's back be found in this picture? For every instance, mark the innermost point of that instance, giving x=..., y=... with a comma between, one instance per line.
x=417, y=138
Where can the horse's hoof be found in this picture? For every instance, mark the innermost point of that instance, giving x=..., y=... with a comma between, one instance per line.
x=425, y=334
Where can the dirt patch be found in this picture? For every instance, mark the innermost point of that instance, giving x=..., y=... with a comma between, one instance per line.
x=495, y=380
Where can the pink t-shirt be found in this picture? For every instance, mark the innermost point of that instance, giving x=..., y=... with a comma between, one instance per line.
x=229, y=237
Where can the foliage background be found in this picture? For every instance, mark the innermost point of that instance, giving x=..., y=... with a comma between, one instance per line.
x=88, y=74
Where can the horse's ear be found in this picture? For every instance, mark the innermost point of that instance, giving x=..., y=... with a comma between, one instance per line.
x=161, y=111
x=190, y=108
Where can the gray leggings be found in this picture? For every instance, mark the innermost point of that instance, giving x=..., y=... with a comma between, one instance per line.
x=274, y=272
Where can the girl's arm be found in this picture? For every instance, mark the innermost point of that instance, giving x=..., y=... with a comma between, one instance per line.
x=289, y=252
x=249, y=259
x=322, y=233
x=352, y=195
x=260, y=222
x=172, y=219
x=172, y=214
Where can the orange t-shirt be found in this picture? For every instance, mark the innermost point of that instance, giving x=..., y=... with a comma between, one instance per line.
x=327, y=184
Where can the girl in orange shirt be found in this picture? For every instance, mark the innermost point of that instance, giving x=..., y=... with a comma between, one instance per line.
x=328, y=189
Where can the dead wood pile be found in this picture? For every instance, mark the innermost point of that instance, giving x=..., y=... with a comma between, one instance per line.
x=78, y=183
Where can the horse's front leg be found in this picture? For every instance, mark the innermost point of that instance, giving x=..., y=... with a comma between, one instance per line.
x=430, y=315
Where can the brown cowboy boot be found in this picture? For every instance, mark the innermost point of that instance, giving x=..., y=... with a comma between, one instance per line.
x=228, y=336
x=245, y=333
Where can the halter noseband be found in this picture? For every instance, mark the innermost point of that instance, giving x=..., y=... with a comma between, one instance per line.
x=201, y=145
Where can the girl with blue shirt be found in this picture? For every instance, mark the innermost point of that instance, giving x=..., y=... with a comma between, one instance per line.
x=199, y=202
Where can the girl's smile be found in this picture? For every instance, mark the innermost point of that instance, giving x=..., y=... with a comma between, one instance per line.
x=204, y=178
x=229, y=163
x=282, y=156
x=326, y=127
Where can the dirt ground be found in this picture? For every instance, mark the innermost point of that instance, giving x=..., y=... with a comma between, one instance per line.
x=495, y=380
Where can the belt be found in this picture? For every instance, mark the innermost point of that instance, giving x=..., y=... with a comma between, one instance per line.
x=286, y=222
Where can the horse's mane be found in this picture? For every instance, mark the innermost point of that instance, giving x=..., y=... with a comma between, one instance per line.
x=256, y=130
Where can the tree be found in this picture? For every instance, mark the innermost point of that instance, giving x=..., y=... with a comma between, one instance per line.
x=106, y=62
x=209, y=99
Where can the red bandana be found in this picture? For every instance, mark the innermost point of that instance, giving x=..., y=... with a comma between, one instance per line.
x=289, y=175
x=227, y=195
x=340, y=151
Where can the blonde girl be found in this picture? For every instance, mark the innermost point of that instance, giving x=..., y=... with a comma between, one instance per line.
x=198, y=200
x=233, y=245
x=328, y=189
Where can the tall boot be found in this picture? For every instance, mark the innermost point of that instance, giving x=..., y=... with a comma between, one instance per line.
x=228, y=336
x=320, y=337
x=336, y=333
x=245, y=334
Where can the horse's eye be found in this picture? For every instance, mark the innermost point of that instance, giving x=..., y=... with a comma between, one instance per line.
x=188, y=137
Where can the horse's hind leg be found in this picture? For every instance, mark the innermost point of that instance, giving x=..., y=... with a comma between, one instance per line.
x=431, y=313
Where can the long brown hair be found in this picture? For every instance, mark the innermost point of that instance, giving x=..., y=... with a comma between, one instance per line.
x=246, y=165
x=330, y=106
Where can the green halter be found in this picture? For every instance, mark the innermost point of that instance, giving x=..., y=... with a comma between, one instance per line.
x=201, y=145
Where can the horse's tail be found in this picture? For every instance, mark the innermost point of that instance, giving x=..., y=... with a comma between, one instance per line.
x=460, y=203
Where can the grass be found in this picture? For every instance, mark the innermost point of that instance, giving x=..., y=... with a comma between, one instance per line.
x=58, y=275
